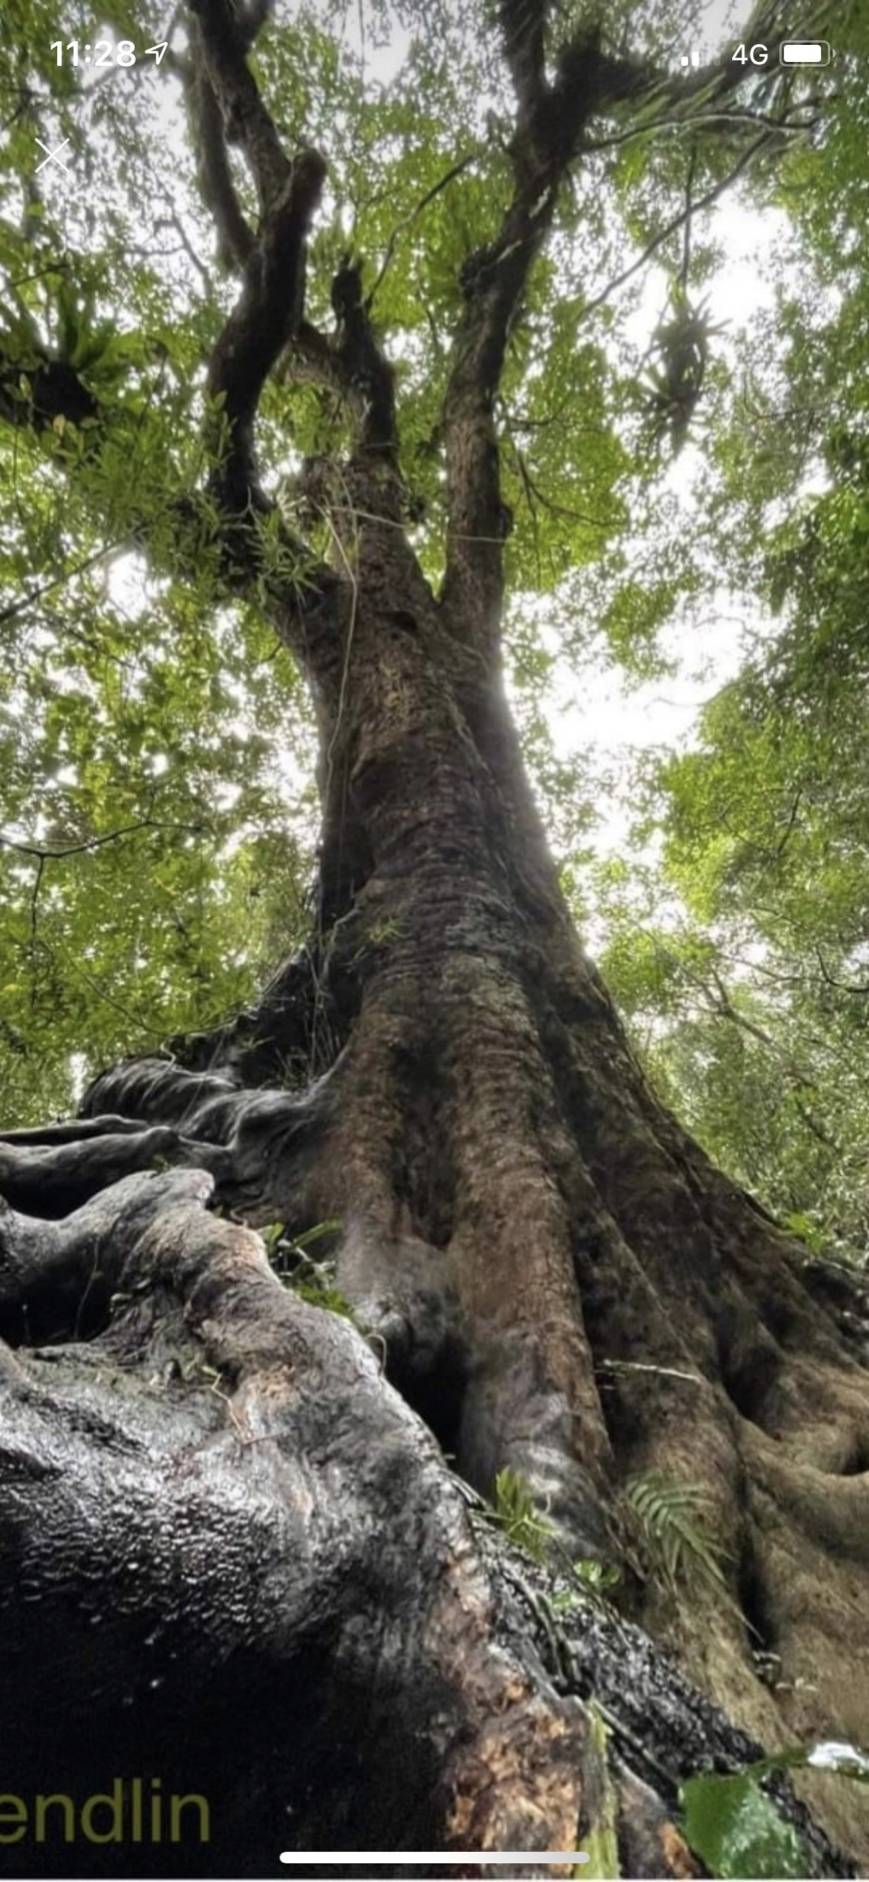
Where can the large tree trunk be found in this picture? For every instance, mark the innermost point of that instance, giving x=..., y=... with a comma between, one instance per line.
x=236, y=1544
x=232, y=1539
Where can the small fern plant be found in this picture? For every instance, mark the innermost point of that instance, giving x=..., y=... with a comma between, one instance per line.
x=518, y=1515
x=313, y=1281
x=672, y=1518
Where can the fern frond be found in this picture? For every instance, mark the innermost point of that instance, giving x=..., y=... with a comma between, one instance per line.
x=518, y=1515
x=673, y=1519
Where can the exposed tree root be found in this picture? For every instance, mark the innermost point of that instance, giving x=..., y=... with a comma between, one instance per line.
x=240, y=1565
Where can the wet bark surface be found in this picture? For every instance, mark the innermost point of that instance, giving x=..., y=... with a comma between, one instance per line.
x=235, y=1568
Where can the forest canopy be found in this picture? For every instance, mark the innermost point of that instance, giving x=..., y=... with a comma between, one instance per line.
x=156, y=749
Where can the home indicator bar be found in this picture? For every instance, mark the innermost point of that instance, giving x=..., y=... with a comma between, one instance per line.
x=409, y=1856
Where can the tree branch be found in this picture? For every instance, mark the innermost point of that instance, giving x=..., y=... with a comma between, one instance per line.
x=523, y=31
x=551, y=121
x=625, y=78
x=269, y=319
x=677, y=222
x=260, y=326
x=364, y=366
x=493, y=280
x=32, y=595
x=860, y=989
x=723, y=120
x=268, y=314
x=350, y=363
x=407, y=222
x=246, y=120
x=45, y=852
x=235, y=237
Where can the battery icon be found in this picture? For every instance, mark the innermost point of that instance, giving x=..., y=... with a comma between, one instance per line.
x=805, y=52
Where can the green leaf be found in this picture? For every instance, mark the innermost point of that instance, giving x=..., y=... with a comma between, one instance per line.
x=330, y=1227
x=737, y=1830
x=518, y=1515
x=673, y=1519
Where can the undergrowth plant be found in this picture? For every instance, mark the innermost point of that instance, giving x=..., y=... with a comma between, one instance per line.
x=672, y=1518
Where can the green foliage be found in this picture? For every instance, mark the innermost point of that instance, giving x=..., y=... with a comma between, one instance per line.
x=736, y=932
x=313, y=1281
x=156, y=806
x=590, y=1580
x=599, y=1577
x=518, y=1515
x=601, y=1842
x=318, y=1291
x=672, y=1520
x=737, y=1830
x=735, y=1826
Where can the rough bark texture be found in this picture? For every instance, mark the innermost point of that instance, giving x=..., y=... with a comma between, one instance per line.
x=561, y=1282
x=553, y=1274
x=228, y=1529
x=232, y=1559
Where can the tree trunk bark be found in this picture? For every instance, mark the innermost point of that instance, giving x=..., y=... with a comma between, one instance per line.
x=216, y=1505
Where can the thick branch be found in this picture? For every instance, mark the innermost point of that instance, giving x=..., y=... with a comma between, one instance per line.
x=523, y=30
x=268, y=315
x=269, y=318
x=493, y=280
x=364, y=366
x=235, y=238
x=261, y=324
x=246, y=119
x=551, y=122
x=350, y=363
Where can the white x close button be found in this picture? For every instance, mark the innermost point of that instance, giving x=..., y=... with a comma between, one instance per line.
x=53, y=156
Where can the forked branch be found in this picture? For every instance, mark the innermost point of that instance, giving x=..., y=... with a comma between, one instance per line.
x=268, y=320
x=551, y=122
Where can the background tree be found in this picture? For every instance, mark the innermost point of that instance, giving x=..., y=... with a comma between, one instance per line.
x=320, y=460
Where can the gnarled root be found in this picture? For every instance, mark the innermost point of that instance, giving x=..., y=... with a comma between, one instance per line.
x=241, y=1566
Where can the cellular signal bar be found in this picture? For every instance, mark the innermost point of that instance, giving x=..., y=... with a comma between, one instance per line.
x=805, y=52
